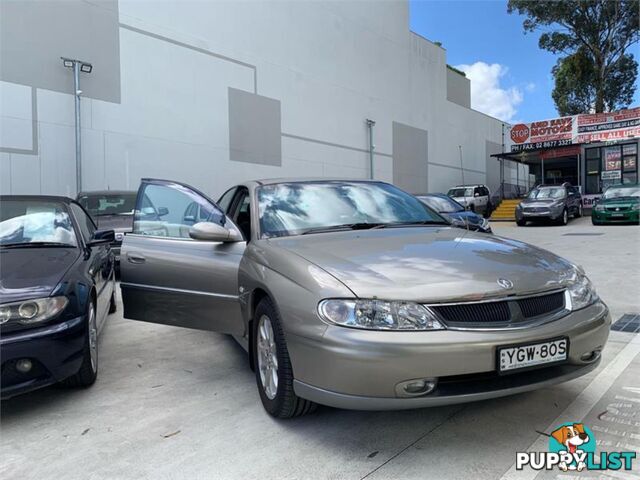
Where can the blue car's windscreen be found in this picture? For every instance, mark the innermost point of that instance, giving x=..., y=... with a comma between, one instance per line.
x=27, y=221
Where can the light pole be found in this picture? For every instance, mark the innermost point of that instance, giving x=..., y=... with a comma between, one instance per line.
x=85, y=67
x=370, y=124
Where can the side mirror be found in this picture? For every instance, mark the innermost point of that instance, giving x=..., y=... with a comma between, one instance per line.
x=162, y=211
x=100, y=237
x=212, y=232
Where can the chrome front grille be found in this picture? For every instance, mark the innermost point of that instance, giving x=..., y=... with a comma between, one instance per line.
x=542, y=305
x=490, y=312
x=617, y=209
x=512, y=312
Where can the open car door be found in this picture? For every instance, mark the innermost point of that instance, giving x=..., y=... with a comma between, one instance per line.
x=171, y=278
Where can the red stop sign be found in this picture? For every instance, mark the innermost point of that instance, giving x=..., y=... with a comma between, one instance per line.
x=519, y=133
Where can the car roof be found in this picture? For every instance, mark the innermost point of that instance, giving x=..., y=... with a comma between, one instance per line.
x=274, y=181
x=49, y=198
x=107, y=192
x=441, y=195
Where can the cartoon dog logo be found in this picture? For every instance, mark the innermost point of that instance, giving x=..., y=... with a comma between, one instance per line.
x=571, y=437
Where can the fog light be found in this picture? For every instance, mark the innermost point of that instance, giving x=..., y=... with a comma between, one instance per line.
x=416, y=387
x=591, y=356
x=24, y=365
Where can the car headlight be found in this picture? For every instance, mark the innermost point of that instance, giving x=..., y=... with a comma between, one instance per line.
x=581, y=292
x=599, y=208
x=484, y=223
x=32, y=311
x=378, y=315
x=635, y=206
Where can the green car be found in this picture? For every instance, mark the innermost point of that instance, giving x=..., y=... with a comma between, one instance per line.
x=619, y=204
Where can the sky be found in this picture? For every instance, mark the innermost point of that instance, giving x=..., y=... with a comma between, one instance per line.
x=510, y=76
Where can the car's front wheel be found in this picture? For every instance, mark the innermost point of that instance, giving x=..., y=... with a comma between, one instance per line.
x=88, y=372
x=564, y=218
x=579, y=211
x=521, y=223
x=274, y=374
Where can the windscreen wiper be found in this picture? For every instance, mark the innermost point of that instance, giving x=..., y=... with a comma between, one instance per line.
x=418, y=223
x=35, y=244
x=346, y=226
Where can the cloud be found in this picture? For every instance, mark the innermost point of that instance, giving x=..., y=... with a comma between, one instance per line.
x=487, y=95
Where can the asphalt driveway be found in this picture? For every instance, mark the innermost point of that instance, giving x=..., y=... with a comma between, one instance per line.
x=176, y=403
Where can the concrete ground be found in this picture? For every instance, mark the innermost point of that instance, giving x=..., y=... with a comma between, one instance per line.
x=176, y=403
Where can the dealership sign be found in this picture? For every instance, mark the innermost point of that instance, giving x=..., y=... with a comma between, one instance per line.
x=576, y=129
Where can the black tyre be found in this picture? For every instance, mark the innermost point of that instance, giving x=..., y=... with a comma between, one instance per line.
x=274, y=374
x=88, y=372
x=593, y=222
x=113, y=306
x=488, y=210
x=564, y=218
x=579, y=211
x=521, y=223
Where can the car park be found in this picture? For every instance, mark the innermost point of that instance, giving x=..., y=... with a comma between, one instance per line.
x=113, y=210
x=353, y=294
x=453, y=211
x=476, y=198
x=555, y=203
x=57, y=288
x=619, y=204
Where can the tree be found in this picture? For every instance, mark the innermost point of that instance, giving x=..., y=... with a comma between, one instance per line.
x=596, y=73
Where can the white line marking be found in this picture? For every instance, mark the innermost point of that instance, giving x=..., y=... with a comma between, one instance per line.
x=582, y=405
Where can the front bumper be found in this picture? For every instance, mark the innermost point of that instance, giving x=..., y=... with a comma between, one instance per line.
x=359, y=369
x=549, y=214
x=626, y=216
x=54, y=350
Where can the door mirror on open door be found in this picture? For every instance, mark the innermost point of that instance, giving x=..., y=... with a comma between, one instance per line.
x=212, y=232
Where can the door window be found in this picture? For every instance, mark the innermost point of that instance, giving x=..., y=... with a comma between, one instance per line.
x=87, y=227
x=171, y=209
x=241, y=213
x=225, y=200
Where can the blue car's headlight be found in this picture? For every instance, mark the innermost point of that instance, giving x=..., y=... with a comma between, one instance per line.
x=32, y=311
x=378, y=315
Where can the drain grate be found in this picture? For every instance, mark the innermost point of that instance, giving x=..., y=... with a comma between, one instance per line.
x=629, y=322
x=582, y=234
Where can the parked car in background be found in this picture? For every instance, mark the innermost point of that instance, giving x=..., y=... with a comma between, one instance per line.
x=550, y=202
x=113, y=210
x=354, y=294
x=476, y=198
x=57, y=285
x=453, y=211
x=619, y=204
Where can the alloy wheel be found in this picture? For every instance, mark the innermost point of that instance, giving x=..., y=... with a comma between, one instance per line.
x=565, y=217
x=267, y=357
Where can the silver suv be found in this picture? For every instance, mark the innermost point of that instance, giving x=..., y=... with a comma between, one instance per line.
x=476, y=198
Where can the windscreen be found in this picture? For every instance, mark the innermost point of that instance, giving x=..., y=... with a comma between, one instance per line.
x=25, y=222
x=294, y=208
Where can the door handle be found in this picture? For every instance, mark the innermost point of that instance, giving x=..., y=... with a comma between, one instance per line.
x=135, y=258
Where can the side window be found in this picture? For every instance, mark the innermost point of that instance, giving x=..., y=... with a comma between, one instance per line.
x=241, y=214
x=225, y=200
x=477, y=191
x=87, y=227
x=170, y=210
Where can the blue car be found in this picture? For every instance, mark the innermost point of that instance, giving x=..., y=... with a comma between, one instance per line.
x=454, y=212
x=57, y=286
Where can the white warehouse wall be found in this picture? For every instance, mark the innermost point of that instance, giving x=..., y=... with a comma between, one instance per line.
x=328, y=66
